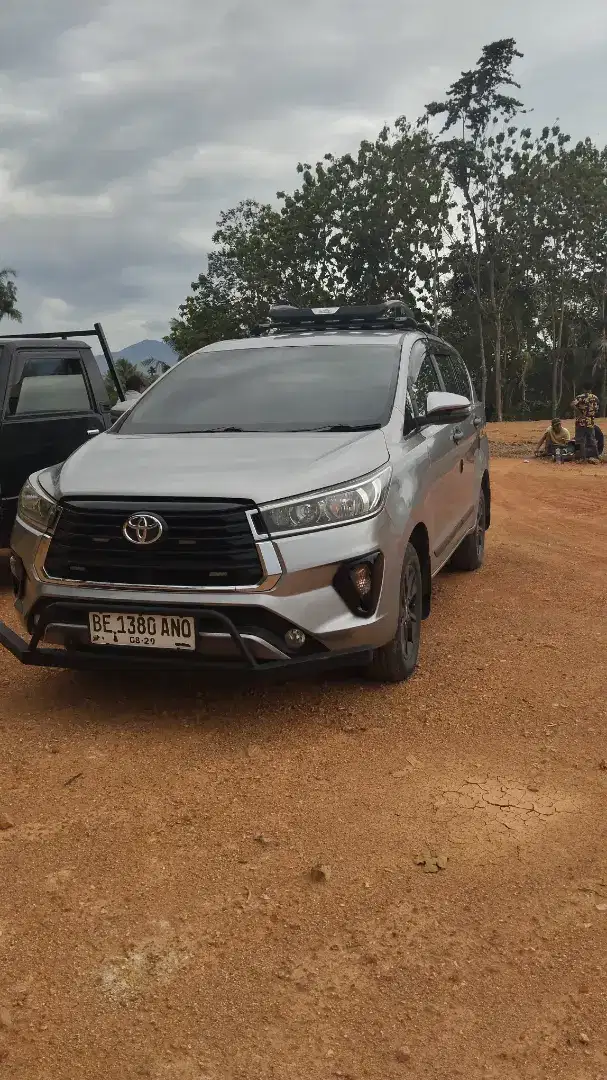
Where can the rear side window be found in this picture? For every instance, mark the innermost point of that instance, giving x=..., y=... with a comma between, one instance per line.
x=454, y=373
x=47, y=384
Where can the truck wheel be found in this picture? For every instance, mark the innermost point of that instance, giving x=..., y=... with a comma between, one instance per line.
x=471, y=552
x=397, y=661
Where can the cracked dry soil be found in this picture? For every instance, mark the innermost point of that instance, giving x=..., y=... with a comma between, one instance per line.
x=162, y=909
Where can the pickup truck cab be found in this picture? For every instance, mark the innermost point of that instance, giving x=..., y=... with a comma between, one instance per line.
x=52, y=400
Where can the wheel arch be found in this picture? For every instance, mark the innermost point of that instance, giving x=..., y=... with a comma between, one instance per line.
x=421, y=542
x=486, y=487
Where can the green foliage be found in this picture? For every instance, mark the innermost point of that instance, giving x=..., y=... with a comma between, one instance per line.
x=494, y=234
x=8, y=296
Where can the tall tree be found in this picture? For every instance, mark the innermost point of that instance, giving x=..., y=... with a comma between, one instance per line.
x=476, y=157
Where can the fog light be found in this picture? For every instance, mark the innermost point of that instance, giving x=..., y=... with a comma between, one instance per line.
x=358, y=582
x=361, y=579
x=295, y=638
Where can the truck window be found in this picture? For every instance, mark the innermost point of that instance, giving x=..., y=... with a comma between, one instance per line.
x=48, y=384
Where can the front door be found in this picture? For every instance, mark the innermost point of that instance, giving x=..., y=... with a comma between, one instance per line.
x=444, y=475
x=456, y=380
x=48, y=413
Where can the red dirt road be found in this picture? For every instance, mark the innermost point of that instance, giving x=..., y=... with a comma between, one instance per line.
x=157, y=915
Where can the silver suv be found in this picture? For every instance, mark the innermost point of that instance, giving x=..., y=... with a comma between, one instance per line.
x=278, y=501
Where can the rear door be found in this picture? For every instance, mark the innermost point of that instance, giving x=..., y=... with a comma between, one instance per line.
x=48, y=412
x=465, y=435
x=442, y=504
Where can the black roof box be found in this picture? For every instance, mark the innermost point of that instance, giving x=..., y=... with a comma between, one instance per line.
x=388, y=315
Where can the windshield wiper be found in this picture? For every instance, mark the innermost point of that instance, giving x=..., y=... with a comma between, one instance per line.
x=215, y=430
x=347, y=427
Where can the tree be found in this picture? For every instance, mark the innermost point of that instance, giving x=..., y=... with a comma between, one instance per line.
x=495, y=234
x=155, y=368
x=230, y=297
x=476, y=162
x=8, y=296
x=370, y=227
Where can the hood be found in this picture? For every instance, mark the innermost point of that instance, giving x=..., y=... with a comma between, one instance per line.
x=262, y=466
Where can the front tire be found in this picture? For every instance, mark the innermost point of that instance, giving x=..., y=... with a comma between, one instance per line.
x=470, y=554
x=397, y=661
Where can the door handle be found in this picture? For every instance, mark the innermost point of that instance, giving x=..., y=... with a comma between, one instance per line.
x=457, y=435
x=478, y=422
x=93, y=431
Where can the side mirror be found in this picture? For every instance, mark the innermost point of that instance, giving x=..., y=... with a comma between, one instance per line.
x=442, y=408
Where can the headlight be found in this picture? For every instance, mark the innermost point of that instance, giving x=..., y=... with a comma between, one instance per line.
x=325, y=509
x=35, y=508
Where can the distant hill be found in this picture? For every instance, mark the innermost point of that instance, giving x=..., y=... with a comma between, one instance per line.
x=143, y=350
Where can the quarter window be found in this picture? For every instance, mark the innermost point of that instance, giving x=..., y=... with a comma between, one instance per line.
x=454, y=373
x=425, y=383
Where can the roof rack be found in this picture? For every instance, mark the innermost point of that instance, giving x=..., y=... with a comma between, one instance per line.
x=389, y=315
x=97, y=332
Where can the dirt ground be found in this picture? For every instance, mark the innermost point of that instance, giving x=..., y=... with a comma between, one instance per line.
x=158, y=917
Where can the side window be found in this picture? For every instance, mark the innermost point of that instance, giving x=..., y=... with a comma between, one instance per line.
x=47, y=384
x=454, y=373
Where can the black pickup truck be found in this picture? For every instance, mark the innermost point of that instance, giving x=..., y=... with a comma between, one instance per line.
x=52, y=399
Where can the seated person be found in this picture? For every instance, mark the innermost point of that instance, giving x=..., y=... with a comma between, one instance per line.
x=554, y=438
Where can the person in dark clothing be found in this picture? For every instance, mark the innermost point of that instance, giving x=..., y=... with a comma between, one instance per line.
x=585, y=411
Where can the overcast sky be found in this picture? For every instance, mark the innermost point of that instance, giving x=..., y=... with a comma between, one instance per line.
x=127, y=125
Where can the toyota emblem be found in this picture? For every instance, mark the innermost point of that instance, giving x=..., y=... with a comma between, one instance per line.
x=143, y=529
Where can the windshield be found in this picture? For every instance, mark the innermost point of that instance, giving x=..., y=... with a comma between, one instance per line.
x=290, y=388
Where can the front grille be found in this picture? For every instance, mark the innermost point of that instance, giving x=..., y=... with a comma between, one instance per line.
x=205, y=543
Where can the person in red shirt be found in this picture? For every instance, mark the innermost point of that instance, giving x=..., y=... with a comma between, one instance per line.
x=585, y=410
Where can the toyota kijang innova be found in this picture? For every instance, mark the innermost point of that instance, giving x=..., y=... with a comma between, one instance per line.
x=278, y=501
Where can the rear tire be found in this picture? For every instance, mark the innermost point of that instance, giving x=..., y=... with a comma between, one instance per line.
x=470, y=554
x=397, y=661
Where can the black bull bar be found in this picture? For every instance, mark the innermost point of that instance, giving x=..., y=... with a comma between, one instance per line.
x=125, y=658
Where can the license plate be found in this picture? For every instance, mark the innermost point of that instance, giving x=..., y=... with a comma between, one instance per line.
x=142, y=631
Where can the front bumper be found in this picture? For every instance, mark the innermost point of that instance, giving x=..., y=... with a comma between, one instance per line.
x=301, y=594
x=254, y=651
x=236, y=628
